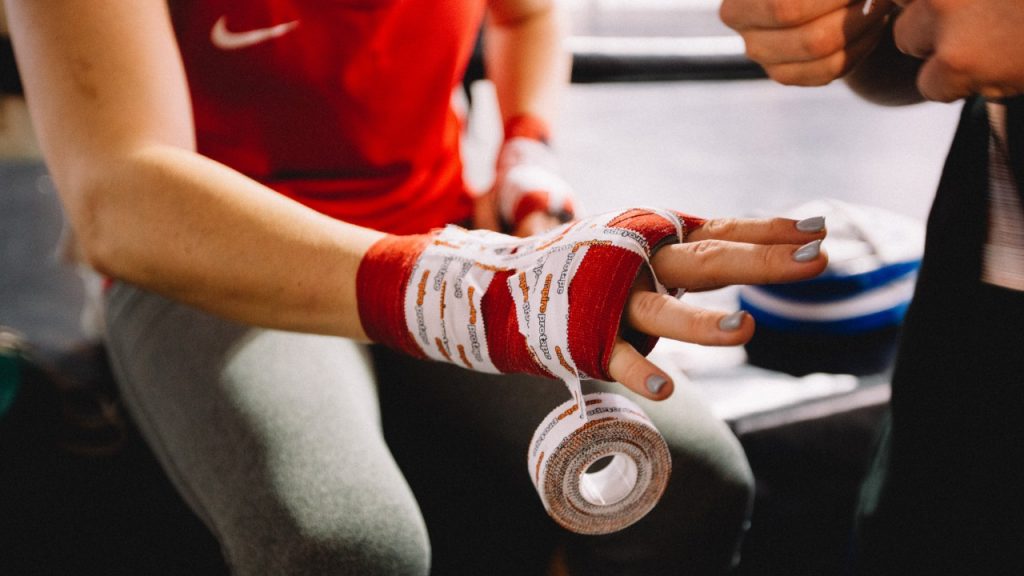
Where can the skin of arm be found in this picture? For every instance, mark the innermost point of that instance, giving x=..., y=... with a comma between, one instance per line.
x=525, y=58
x=529, y=67
x=110, y=104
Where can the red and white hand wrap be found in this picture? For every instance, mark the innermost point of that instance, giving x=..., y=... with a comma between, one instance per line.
x=527, y=178
x=549, y=304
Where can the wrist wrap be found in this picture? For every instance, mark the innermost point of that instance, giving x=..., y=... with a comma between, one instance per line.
x=527, y=178
x=549, y=304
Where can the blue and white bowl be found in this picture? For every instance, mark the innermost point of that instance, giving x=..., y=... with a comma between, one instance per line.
x=848, y=318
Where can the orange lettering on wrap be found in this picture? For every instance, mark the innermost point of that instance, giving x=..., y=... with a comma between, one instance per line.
x=472, y=306
x=576, y=247
x=568, y=411
x=536, y=360
x=462, y=355
x=522, y=286
x=421, y=290
x=491, y=268
x=561, y=360
x=544, y=294
x=440, y=346
x=444, y=290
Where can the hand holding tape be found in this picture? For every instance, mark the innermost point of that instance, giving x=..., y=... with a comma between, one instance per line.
x=551, y=305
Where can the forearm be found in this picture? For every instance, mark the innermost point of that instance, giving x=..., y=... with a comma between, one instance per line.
x=110, y=104
x=886, y=76
x=193, y=230
x=525, y=57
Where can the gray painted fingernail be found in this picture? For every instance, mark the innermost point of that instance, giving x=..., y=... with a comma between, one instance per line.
x=655, y=382
x=814, y=224
x=732, y=321
x=808, y=251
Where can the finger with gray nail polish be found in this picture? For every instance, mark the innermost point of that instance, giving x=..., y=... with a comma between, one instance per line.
x=813, y=224
x=808, y=251
x=655, y=382
x=732, y=321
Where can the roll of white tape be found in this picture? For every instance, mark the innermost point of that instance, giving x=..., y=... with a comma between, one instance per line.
x=599, y=473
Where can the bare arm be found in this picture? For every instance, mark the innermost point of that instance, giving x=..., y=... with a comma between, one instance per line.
x=110, y=104
x=525, y=56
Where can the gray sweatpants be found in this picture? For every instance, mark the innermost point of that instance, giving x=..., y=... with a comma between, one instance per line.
x=316, y=455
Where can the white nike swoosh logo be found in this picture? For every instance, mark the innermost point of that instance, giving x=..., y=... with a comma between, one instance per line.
x=227, y=40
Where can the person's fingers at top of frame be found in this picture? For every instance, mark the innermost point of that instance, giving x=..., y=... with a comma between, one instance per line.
x=825, y=70
x=663, y=315
x=713, y=263
x=760, y=230
x=747, y=14
x=631, y=369
x=914, y=30
x=814, y=40
x=938, y=81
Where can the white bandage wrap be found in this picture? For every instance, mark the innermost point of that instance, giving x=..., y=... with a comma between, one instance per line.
x=452, y=275
x=526, y=166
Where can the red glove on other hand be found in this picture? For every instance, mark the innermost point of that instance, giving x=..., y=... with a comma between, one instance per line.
x=527, y=178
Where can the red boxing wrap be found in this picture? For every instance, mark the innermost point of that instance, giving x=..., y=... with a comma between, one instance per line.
x=527, y=179
x=527, y=126
x=549, y=304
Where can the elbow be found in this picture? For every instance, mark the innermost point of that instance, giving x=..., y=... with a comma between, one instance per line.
x=97, y=254
x=87, y=202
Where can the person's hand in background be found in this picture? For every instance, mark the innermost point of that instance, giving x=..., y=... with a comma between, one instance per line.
x=807, y=42
x=968, y=46
x=529, y=192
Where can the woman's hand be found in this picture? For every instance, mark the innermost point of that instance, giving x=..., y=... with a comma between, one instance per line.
x=554, y=304
x=716, y=254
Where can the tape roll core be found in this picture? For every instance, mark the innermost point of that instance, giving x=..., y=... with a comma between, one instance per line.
x=610, y=484
x=565, y=448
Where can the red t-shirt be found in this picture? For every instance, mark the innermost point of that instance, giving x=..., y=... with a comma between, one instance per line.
x=344, y=106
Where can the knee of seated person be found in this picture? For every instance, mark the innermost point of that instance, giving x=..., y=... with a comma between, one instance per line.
x=722, y=495
x=381, y=545
x=735, y=500
x=385, y=554
x=696, y=528
x=706, y=508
